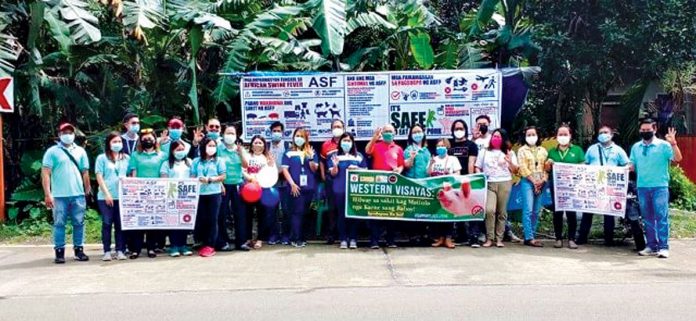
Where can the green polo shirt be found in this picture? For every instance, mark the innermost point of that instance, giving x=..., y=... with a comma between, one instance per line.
x=146, y=165
x=419, y=168
x=233, y=164
x=572, y=155
x=66, y=178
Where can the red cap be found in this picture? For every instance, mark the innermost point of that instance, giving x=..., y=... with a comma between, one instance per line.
x=174, y=122
x=65, y=126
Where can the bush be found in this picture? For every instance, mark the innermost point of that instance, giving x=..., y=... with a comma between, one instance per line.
x=682, y=190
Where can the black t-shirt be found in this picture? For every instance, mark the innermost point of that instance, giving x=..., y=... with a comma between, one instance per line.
x=462, y=150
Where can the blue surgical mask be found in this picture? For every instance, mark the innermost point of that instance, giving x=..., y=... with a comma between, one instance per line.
x=346, y=146
x=604, y=138
x=418, y=137
x=441, y=151
x=214, y=135
x=180, y=154
x=175, y=134
x=299, y=141
x=276, y=136
x=388, y=137
x=116, y=147
x=134, y=129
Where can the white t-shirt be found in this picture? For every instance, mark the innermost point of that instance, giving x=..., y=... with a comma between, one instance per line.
x=445, y=166
x=493, y=164
x=483, y=142
x=256, y=163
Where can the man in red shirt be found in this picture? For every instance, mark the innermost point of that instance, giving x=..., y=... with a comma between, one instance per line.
x=328, y=148
x=386, y=156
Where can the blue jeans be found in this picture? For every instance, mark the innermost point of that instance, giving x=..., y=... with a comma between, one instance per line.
x=299, y=207
x=111, y=216
x=75, y=208
x=654, y=206
x=531, y=207
x=284, y=192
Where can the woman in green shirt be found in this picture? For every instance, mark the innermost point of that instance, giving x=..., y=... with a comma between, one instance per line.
x=564, y=152
x=235, y=158
x=145, y=163
x=416, y=160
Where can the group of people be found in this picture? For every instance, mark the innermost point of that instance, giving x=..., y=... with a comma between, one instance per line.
x=216, y=157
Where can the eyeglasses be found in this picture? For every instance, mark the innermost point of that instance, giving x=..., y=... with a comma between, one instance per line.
x=213, y=126
x=147, y=131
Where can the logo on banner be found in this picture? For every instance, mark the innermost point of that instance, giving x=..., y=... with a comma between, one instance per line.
x=6, y=95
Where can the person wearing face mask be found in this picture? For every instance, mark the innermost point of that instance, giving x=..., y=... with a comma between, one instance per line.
x=386, y=156
x=416, y=160
x=174, y=132
x=532, y=158
x=328, y=148
x=604, y=153
x=212, y=131
x=131, y=123
x=178, y=165
x=483, y=138
x=443, y=164
x=210, y=171
x=235, y=158
x=145, y=163
x=277, y=148
x=346, y=158
x=498, y=162
x=258, y=159
x=299, y=165
x=568, y=153
x=65, y=182
x=109, y=168
x=650, y=158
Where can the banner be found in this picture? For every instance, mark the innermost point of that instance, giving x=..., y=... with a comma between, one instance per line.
x=366, y=101
x=158, y=203
x=389, y=196
x=590, y=189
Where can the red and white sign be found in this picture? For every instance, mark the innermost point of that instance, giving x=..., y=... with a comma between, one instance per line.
x=6, y=95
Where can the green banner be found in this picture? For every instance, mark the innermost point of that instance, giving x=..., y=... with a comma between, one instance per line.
x=389, y=196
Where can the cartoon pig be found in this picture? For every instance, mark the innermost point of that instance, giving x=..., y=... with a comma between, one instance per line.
x=458, y=201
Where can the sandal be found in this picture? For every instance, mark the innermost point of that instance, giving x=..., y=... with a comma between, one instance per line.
x=488, y=243
x=134, y=256
x=499, y=244
x=151, y=254
x=258, y=244
x=533, y=243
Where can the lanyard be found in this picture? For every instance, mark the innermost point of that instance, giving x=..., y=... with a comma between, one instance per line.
x=562, y=154
x=130, y=147
x=536, y=157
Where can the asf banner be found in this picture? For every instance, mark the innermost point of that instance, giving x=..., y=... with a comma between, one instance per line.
x=590, y=189
x=158, y=203
x=386, y=195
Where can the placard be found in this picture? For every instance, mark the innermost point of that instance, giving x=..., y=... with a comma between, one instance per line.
x=590, y=188
x=158, y=203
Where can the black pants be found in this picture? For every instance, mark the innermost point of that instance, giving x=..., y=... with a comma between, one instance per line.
x=558, y=224
x=135, y=240
x=207, y=219
x=586, y=225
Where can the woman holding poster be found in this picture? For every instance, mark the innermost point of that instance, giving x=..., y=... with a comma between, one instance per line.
x=210, y=171
x=177, y=166
x=564, y=152
x=532, y=158
x=299, y=165
x=444, y=164
x=346, y=158
x=498, y=162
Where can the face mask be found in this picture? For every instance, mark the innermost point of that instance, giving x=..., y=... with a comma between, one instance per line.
x=229, y=139
x=417, y=137
x=134, y=129
x=563, y=140
x=116, y=148
x=483, y=129
x=258, y=149
x=67, y=139
x=337, y=132
x=647, y=135
x=441, y=151
x=388, y=137
x=345, y=146
x=496, y=142
x=276, y=136
x=213, y=135
x=604, y=138
x=147, y=144
x=531, y=140
x=175, y=134
x=180, y=154
x=459, y=134
x=299, y=141
x=211, y=150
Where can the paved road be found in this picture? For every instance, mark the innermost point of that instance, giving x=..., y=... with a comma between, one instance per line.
x=321, y=282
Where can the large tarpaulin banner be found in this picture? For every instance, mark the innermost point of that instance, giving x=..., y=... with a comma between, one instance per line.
x=366, y=101
x=158, y=203
x=590, y=189
x=389, y=196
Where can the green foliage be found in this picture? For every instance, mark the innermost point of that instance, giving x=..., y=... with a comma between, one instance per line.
x=682, y=190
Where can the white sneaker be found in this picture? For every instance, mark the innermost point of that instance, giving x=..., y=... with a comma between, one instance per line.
x=121, y=256
x=106, y=257
x=663, y=254
x=353, y=245
x=344, y=245
x=647, y=252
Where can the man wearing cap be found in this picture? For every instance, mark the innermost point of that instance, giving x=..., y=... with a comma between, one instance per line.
x=131, y=123
x=65, y=180
x=175, y=130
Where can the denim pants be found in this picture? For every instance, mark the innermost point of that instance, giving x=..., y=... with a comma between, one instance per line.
x=284, y=191
x=654, y=206
x=73, y=207
x=299, y=207
x=531, y=207
x=347, y=227
x=111, y=216
x=332, y=211
x=376, y=231
x=207, y=218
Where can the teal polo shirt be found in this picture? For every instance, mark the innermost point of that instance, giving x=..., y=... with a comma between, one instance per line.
x=419, y=168
x=233, y=164
x=208, y=168
x=66, y=178
x=651, y=162
x=111, y=172
x=146, y=165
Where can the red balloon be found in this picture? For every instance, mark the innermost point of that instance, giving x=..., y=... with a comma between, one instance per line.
x=251, y=192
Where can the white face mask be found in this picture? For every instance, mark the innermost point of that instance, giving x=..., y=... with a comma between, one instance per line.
x=337, y=132
x=230, y=139
x=67, y=139
x=211, y=150
x=531, y=140
x=563, y=140
x=459, y=134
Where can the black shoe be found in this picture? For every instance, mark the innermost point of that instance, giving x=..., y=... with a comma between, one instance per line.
x=330, y=241
x=80, y=254
x=225, y=248
x=244, y=248
x=581, y=241
x=151, y=254
x=60, y=256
